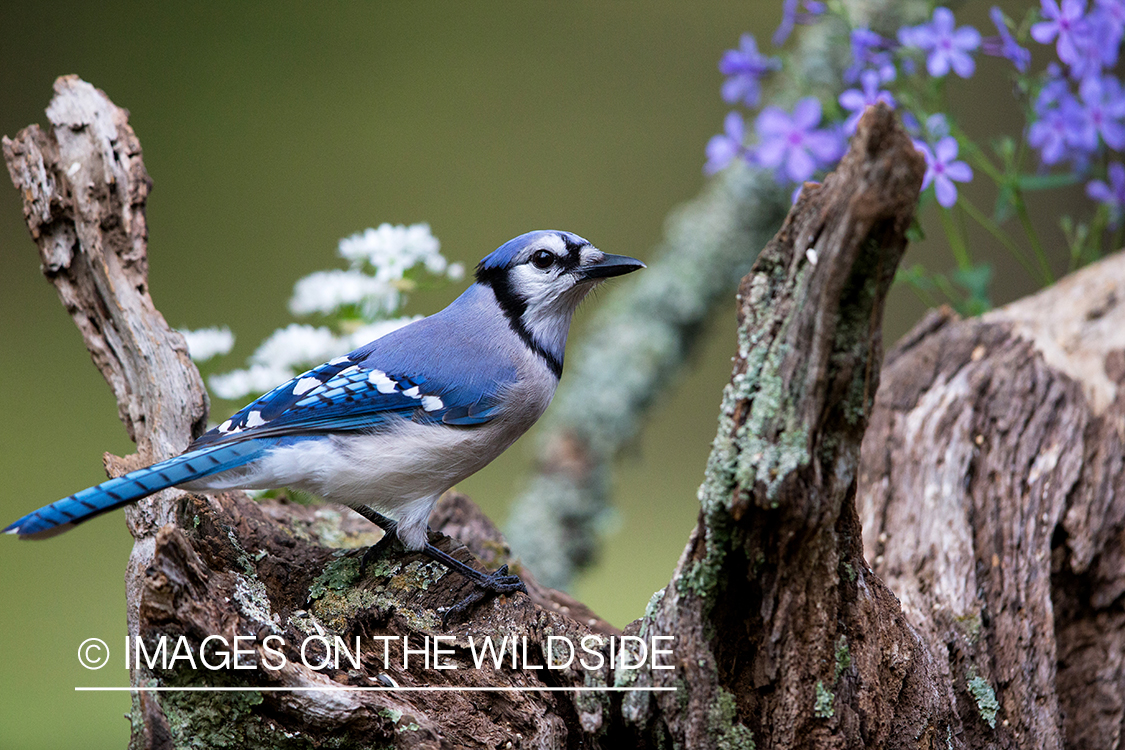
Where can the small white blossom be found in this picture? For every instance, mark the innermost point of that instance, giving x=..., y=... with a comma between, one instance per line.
x=296, y=345
x=206, y=343
x=393, y=249
x=253, y=380
x=325, y=292
x=376, y=283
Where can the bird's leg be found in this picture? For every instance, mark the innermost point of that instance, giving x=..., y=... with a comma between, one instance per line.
x=500, y=582
x=390, y=531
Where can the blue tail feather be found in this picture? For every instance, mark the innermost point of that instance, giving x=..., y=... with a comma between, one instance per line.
x=93, y=501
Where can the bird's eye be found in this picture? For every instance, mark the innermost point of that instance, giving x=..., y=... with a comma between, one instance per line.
x=542, y=259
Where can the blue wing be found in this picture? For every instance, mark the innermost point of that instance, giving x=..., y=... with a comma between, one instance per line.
x=344, y=395
x=352, y=394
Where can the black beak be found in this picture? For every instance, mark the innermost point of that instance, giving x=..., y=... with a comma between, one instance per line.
x=611, y=265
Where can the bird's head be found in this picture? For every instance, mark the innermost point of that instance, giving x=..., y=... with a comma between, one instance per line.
x=539, y=278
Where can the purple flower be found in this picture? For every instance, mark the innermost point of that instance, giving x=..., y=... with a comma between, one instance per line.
x=1063, y=22
x=722, y=149
x=1005, y=45
x=1097, y=39
x=1113, y=194
x=870, y=51
x=857, y=100
x=946, y=47
x=1055, y=88
x=745, y=66
x=1104, y=109
x=1062, y=129
x=1088, y=43
x=790, y=16
x=937, y=126
x=1108, y=16
x=792, y=144
x=942, y=171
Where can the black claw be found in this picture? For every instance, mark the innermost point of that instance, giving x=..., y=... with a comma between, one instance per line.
x=491, y=585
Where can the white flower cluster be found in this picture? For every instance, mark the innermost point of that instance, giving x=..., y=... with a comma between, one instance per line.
x=380, y=260
x=207, y=342
x=325, y=292
x=374, y=286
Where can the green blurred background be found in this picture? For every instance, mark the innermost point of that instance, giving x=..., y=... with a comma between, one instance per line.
x=271, y=131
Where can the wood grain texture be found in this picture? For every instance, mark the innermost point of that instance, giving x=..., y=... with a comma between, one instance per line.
x=993, y=505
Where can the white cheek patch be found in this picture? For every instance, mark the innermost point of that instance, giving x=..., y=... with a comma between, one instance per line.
x=535, y=286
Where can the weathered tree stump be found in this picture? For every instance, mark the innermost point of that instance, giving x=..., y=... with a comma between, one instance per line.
x=990, y=509
x=993, y=505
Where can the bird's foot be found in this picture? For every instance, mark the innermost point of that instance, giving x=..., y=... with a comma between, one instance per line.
x=500, y=582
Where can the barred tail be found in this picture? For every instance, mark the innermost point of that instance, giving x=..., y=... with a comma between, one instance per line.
x=81, y=506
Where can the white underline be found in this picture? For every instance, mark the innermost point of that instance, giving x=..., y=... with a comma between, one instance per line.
x=403, y=689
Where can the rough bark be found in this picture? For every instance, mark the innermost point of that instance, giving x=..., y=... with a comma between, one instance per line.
x=783, y=636
x=993, y=505
x=790, y=633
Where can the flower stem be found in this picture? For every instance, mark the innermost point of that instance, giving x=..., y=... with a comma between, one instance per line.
x=991, y=227
x=956, y=241
x=1025, y=221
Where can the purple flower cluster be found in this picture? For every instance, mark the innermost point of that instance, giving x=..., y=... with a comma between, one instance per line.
x=745, y=66
x=1080, y=107
x=1077, y=106
x=870, y=52
x=946, y=47
x=790, y=144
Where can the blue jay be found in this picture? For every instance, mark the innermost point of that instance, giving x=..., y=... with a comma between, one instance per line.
x=391, y=426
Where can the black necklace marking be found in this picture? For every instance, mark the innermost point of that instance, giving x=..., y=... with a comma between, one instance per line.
x=514, y=306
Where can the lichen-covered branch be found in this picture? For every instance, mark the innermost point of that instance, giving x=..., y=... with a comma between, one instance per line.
x=84, y=187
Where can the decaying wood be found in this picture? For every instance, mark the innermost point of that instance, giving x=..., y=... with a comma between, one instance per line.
x=793, y=641
x=993, y=505
x=84, y=187
x=988, y=490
